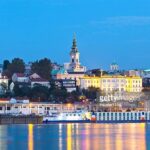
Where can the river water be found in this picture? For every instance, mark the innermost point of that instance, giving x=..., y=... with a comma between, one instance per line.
x=75, y=137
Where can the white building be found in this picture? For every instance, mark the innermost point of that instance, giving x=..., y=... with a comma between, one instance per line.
x=3, y=83
x=32, y=80
x=114, y=67
x=19, y=77
x=35, y=79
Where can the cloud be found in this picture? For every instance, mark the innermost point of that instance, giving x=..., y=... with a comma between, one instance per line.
x=123, y=21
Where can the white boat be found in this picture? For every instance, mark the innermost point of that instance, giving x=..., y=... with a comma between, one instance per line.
x=99, y=117
x=68, y=117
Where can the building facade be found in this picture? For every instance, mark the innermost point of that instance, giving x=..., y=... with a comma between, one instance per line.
x=89, y=81
x=113, y=83
x=114, y=67
x=3, y=84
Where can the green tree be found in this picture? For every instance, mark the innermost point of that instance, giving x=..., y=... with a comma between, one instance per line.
x=6, y=72
x=17, y=90
x=6, y=63
x=16, y=66
x=42, y=67
x=40, y=93
x=73, y=96
x=25, y=91
x=91, y=93
x=58, y=94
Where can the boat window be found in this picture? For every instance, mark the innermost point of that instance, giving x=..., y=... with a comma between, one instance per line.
x=66, y=114
x=142, y=113
x=8, y=108
x=55, y=108
x=1, y=108
x=78, y=114
x=74, y=114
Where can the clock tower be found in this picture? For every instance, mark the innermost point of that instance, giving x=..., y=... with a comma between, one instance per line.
x=74, y=54
x=74, y=66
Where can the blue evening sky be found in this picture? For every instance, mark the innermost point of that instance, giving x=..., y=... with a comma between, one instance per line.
x=106, y=31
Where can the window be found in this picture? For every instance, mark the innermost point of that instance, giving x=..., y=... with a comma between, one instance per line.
x=8, y=108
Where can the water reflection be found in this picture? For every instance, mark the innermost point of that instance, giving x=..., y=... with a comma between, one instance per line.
x=107, y=136
x=30, y=137
x=60, y=137
x=69, y=137
x=3, y=141
x=75, y=137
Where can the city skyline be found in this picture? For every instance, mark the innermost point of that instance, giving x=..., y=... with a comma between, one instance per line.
x=106, y=31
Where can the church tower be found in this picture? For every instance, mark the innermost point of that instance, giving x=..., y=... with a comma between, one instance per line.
x=114, y=67
x=74, y=66
x=74, y=54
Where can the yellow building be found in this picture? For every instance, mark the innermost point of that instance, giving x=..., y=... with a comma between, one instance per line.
x=89, y=81
x=134, y=84
x=113, y=83
x=110, y=83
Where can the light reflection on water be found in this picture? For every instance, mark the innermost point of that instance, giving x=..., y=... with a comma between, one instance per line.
x=75, y=137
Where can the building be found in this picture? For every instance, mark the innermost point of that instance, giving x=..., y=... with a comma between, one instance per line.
x=74, y=65
x=72, y=70
x=56, y=66
x=19, y=77
x=35, y=79
x=30, y=81
x=133, y=73
x=121, y=83
x=69, y=84
x=28, y=68
x=90, y=81
x=3, y=83
x=112, y=83
x=146, y=82
x=114, y=67
x=134, y=84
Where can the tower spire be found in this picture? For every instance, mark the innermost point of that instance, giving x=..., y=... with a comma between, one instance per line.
x=74, y=44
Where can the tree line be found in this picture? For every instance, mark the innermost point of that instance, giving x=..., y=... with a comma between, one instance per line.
x=42, y=67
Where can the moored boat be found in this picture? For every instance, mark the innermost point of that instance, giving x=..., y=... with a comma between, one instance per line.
x=99, y=117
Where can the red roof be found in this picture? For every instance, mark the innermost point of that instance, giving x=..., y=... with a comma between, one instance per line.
x=3, y=77
x=4, y=99
x=38, y=80
x=20, y=74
